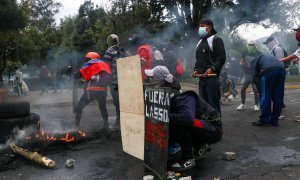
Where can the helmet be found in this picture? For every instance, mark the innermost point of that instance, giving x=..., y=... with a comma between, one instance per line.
x=113, y=39
x=92, y=55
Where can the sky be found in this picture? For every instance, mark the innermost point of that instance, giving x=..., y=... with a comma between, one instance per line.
x=70, y=7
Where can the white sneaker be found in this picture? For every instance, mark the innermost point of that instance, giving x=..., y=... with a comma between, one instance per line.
x=256, y=108
x=241, y=107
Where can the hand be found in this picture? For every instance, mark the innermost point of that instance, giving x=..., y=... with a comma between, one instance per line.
x=208, y=71
x=194, y=74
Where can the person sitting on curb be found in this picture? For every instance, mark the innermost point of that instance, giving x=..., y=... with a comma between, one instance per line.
x=226, y=87
x=193, y=122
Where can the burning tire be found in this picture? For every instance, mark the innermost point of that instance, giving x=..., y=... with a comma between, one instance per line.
x=16, y=114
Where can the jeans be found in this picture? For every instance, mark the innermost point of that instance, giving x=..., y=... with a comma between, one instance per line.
x=209, y=90
x=272, y=91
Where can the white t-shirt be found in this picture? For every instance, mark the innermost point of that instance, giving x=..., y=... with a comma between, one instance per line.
x=297, y=53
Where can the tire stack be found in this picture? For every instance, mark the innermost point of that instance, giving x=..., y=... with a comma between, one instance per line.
x=15, y=114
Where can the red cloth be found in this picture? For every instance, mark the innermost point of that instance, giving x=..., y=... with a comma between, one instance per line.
x=179, y=68
x=92, y=68
x=145, y=53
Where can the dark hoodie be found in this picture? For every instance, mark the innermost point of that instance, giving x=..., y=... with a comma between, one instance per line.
x=185, y=107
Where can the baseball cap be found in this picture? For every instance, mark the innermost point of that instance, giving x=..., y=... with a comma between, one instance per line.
x=161, y=73
x=269, y=39
x=209, y=23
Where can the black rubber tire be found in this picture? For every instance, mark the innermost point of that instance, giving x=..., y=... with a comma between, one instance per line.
x=14, y=109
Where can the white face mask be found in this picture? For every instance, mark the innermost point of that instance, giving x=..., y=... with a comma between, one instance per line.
x=202, y=31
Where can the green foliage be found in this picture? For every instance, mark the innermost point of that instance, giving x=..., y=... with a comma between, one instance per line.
x=11, y=14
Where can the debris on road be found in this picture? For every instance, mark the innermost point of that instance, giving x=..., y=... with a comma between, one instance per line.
x=70, y=163
x=34, y=156
x=229, y=156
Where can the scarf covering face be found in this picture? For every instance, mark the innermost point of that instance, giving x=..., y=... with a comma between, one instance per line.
x=272, y=44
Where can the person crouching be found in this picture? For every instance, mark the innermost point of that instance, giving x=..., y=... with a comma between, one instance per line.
x=194, y=124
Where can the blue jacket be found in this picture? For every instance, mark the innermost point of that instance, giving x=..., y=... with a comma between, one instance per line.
x=263, y=63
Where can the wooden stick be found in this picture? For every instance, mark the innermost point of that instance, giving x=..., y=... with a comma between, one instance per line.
x=209, y=75
x=34, y=156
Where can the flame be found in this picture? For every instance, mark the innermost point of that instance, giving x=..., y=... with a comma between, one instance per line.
x=46, y=136
x=83, y=134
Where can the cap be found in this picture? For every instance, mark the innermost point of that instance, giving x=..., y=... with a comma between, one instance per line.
x=297, y=29
x=209, y=23
x=160, y=72
x=269, y=39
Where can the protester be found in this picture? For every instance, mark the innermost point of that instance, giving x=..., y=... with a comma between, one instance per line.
x=97, y=75
x=226, y=88
x=144, y=51
x=171, y=60
x=277, y=51
x=234, y=72
x=60, y=72
x=188, y=127
x=296, y=54
x=268, y=76
x=158, y=59
x=247, y=78
x=18, y=81
x=210, y=58
x=114, y=52
x=44, y=79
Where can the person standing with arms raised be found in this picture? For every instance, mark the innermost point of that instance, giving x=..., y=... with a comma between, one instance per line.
x=210, y=58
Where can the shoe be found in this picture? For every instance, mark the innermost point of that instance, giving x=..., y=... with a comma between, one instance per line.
x=283, y=106
x=173, y=149
x=183, y=166
x=256, y=108
x=241, y=107
x=200, y=153
x=281, y=117
x=258, y=123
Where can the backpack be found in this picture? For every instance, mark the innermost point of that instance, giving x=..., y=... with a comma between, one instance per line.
x=285, y=54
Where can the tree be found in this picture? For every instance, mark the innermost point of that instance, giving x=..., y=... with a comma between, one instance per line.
x=12, y=19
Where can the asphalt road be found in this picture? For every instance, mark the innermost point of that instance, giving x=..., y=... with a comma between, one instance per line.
x=262, y=152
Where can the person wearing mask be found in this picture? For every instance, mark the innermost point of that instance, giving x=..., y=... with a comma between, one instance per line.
x=111, y=55
x=194, y=124
x=277, y=51
x=97, y=76
x=296, y=54
x=210, y=58
x=269, y=76
x=247, y=78
x=142, y=48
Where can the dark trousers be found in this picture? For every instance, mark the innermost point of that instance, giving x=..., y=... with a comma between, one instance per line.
x=209, y=90
x=272, y=90
x=115, y=96
x=86, y=98
x=191, y=137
